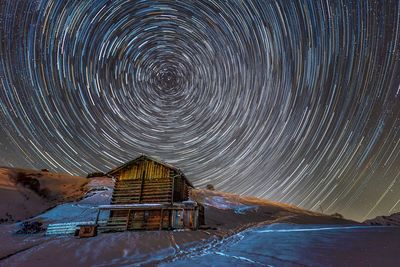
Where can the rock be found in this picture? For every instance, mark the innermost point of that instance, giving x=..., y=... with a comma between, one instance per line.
x=31, y=228
x=391, y=220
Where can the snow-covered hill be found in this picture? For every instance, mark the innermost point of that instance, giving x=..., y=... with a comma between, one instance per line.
x=391, y=220
x=242, y=231
x=27, y=193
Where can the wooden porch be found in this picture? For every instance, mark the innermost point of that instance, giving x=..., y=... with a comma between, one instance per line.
x=149, y=216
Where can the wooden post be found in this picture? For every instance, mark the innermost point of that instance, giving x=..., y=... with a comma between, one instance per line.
x=173, y=187
x=169, y=218
x=127, y=220
x=141, y=188
x=196, y=218
x=162, y=216
x=97, y=217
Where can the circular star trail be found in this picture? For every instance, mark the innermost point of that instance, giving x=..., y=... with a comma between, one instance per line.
x=296, y=101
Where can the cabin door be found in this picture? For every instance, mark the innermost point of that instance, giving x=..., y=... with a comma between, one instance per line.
x=188, y=219
x=177, y=219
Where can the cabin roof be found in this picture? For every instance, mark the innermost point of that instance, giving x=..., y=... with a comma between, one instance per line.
x=126, y=206
x=129, y=163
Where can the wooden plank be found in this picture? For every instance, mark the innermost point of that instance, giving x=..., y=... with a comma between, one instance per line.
x=172, y=187
x=148, y=199
x=127, y=220
x=141, y=186
x=158, y=182
x=143, y=200
x=161, y=220
x=152, y=180
x=145, y=194
x=127, y=187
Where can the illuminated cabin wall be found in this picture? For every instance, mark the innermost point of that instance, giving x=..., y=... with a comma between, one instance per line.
x=147, y=181
x=148, y=168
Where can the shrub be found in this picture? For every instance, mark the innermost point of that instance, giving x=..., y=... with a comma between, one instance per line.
x=30, y=228
x=95, y=174
x=32, y=184
x=28, y=182
x=210, y=187
x=337, y=215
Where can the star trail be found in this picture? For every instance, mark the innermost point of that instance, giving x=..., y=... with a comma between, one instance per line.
x=295, y=101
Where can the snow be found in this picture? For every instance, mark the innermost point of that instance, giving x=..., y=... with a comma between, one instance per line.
x=18, y=201
x=125, y=206
x=294, y=245
x=224, y=203
x=86, y=209
x=276, y=244
x=392, y=220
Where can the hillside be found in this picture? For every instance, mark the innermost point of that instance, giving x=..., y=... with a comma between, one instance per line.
x=236, y=228
x=26, y=193
x=227, y=211
x=391, y=220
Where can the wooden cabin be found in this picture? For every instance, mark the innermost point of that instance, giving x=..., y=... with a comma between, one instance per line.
x=149, y=195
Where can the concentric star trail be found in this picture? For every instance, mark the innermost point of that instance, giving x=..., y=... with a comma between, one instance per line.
x=296, y=101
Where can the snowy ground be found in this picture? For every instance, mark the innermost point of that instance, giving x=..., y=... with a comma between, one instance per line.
x=100, y=192
x=270, y=245
x=250, y=232
x=26, y=193
x=299, y=245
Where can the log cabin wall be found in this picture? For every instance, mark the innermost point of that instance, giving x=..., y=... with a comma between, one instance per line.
x=175, y=217
x=178, y=189
x=148, y=168
x=147, y=181
x=144, y=181
x=181, y=189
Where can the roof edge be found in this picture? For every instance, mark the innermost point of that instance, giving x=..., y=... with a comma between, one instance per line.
x=152, y=159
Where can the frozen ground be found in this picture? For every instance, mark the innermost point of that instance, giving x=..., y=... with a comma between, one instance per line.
x=250, y=232
x=270, y=245
x=26, y=193
x=300, y=245
x=100, y=192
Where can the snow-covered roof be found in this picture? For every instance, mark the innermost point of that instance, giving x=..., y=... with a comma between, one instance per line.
x=127, y=206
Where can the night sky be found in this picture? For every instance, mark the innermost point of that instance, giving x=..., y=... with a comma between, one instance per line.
x=295, y=101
